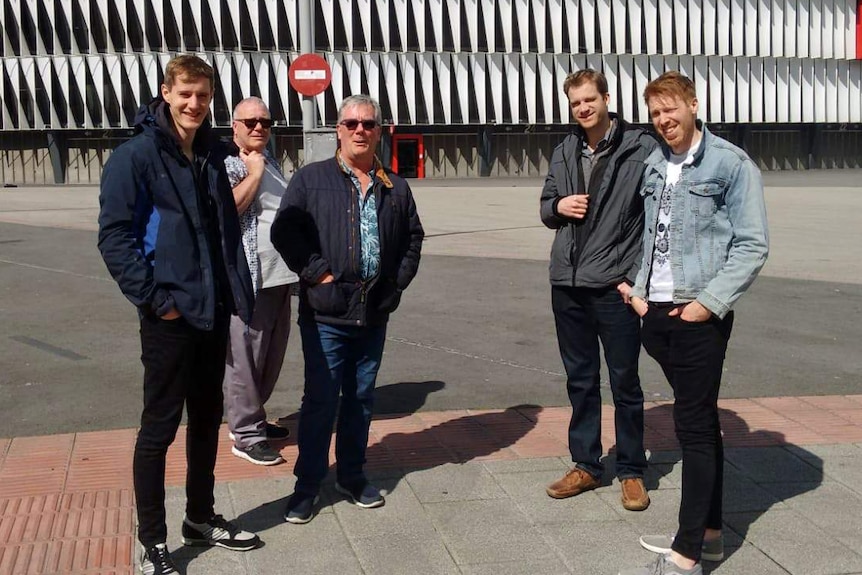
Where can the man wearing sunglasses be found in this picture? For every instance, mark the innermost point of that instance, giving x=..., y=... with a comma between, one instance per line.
x=349, y=228
x=256, y=350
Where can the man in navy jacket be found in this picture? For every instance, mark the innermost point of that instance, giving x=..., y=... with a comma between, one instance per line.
x=169, y=234
x=350, y=230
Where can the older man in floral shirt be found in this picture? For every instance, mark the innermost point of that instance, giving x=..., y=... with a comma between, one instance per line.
x=256, y=350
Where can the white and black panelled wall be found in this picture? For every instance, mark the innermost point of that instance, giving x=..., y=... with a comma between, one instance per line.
x=467, y=87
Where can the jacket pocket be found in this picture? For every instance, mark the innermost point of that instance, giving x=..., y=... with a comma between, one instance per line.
x=389, y=298
x=327, y=299
x=706, y=197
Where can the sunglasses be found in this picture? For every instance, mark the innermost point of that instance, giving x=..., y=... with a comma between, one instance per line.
x=352, y=123
x=251, y=123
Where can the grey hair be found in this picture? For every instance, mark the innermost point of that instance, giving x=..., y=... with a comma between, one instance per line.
x=250, y=100
x=360, y=100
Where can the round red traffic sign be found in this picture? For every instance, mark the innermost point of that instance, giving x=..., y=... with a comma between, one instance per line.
x=309, y=74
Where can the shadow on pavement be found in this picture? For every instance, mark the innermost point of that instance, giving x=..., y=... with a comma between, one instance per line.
x=761, y=469
x=404, y=397
x=398, y=453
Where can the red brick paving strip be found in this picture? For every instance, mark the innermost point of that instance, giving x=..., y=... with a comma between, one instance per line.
x=66, y=503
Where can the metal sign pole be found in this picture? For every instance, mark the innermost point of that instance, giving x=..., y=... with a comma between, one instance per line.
x=306, y=46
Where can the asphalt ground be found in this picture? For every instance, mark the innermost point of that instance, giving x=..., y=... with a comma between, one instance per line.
x=474, y=330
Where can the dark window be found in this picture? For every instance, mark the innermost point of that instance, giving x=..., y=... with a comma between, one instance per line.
x=247, y=28
x=209, y=36
x=151, y=25
x=93, y=104
x=10, y=98
x=173, y=40
x=134, y=29
x=190, y=32
x=28, y=27
x=228, y=36
x=115, y=28
x=286, y=41
x=12, y=30
x=80, y=30
x=100, y=35
x=59, y=98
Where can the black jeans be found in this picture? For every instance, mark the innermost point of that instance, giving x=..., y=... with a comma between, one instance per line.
x=182, y=365
x=691, y=356
x=583, y=316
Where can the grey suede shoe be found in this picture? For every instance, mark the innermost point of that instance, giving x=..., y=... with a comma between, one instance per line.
x=711, y=551
x=663, y=566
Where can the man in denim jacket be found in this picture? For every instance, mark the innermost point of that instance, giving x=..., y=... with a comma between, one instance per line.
x=705, y=240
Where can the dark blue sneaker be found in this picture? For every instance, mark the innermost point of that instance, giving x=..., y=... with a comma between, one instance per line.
x=362, y=494
x=300, y=508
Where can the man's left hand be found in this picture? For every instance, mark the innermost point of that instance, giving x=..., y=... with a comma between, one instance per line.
x=693, y=312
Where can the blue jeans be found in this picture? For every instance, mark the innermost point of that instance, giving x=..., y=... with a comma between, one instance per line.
x=583, y=317
x=339, y=360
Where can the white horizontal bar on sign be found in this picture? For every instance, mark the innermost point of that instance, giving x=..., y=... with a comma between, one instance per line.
x=311, y=74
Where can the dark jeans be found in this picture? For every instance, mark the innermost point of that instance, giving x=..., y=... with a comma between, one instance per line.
x=339, y=360
x=583, y=317
x=691, y=356
x=182, y=365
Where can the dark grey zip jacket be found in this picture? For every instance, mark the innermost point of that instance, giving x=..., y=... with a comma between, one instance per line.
x=611, y=245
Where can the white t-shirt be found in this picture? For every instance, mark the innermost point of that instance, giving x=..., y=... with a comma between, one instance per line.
x=661, y=280
x=273, y=270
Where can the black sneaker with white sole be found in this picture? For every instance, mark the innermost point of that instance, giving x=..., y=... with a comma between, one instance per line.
x=156, y=560
x=260, y=453
x=218, y=532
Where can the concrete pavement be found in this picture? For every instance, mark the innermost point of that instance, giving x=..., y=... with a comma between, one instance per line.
x=472, y=408
x=465, y=494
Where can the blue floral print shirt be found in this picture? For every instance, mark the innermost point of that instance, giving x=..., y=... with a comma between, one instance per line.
x=369, y=234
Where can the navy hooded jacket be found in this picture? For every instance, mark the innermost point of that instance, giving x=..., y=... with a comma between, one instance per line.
x=153, y=224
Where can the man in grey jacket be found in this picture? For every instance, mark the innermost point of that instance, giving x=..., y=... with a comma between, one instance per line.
x=591, y=199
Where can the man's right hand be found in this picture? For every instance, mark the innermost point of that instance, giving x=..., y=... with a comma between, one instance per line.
x=326, y=278
x=639, y=305
x=254, y=161
x=574, y=206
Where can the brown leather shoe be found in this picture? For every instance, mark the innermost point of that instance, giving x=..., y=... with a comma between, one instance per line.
x=635, y=497
x=573, y=482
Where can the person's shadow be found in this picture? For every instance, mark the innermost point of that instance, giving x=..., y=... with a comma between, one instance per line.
x=408, y=444
x=760, y=470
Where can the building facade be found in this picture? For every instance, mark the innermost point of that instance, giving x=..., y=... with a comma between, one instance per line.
x=468, y=87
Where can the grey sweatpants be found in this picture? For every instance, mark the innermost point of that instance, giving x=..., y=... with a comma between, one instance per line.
x=254, y=357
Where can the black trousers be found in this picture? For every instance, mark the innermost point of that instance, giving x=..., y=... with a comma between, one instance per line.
x=182, y=366
x=692, y=356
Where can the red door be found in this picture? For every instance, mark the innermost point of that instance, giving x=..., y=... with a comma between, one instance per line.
x=408, y=155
